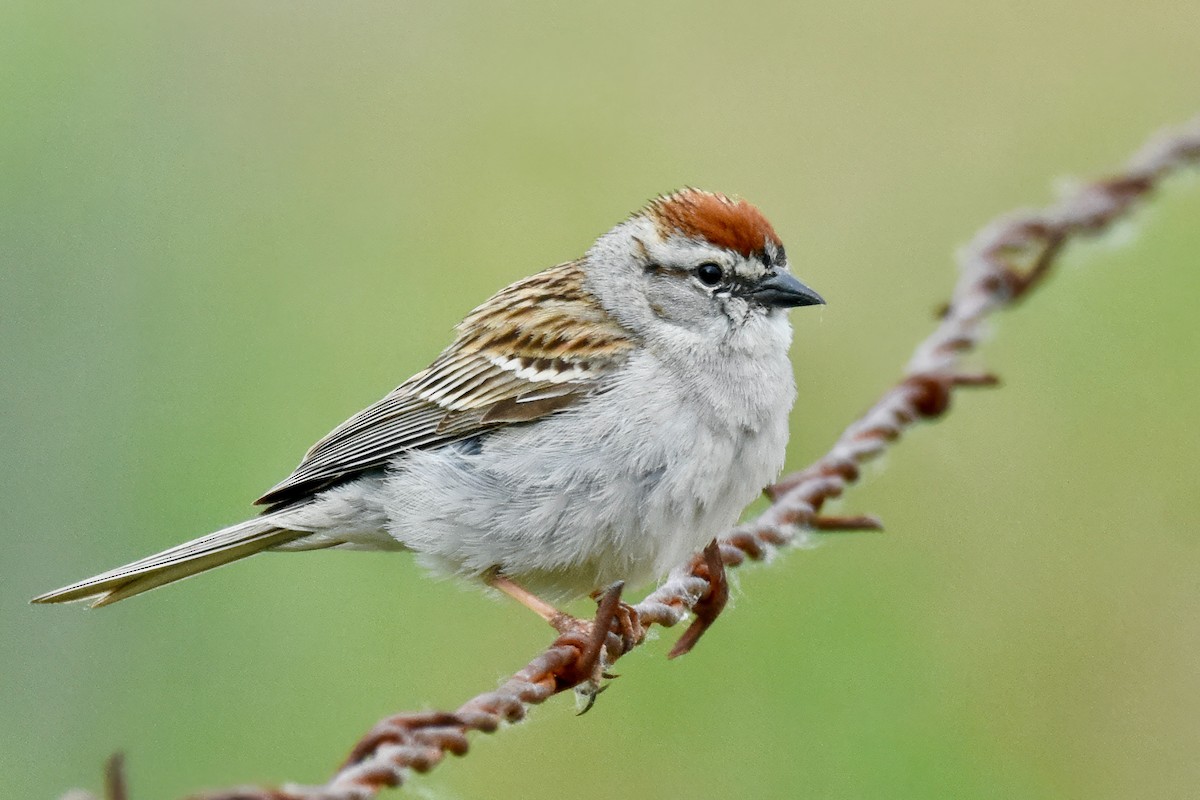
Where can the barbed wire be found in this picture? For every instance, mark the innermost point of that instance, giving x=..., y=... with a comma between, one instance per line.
x=998, y=267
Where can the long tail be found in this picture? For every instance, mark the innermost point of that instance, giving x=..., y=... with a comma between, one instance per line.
x=182, y=561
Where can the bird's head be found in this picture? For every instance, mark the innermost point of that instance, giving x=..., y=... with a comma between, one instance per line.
x=695, y=260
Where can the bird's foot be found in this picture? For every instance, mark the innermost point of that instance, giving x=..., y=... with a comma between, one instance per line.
x=615, y=630
x=612, y=632
x=710, y=604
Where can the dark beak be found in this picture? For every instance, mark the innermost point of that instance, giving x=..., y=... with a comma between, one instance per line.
x=781, y=290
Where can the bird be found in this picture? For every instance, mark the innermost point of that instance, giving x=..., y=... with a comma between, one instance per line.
x=596, y=422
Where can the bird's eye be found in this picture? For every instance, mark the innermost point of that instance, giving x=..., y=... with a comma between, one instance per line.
x=710, y=274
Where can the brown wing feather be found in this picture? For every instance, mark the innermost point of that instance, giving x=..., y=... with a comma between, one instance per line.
x=534, y=348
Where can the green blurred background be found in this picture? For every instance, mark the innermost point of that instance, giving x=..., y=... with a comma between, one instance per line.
x=226, y=226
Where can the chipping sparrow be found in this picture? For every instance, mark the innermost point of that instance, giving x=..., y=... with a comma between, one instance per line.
x=598, y=421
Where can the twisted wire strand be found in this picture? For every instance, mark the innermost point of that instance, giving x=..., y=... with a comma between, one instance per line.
x=998, y=267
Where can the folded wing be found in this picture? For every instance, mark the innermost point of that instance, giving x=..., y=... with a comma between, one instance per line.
x=534, y=348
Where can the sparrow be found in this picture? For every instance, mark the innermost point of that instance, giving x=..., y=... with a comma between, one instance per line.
x=596, y=422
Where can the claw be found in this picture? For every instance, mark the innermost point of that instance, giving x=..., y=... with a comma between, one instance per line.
x=629, y=626
x=588, y=693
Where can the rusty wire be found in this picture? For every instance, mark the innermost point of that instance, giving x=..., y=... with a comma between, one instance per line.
x=999, y=266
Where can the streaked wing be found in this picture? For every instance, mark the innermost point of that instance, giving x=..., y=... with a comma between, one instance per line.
x=534, y=348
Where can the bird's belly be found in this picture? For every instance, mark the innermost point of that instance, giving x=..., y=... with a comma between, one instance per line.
x=567, y=513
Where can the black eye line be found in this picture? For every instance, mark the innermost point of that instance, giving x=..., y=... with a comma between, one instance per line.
x=727, y=284
x=740, y=286
x=664, y=269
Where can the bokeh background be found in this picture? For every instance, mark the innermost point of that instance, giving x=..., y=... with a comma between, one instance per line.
x=226, y=226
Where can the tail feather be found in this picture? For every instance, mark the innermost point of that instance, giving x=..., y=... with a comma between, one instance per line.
x=182, y=561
